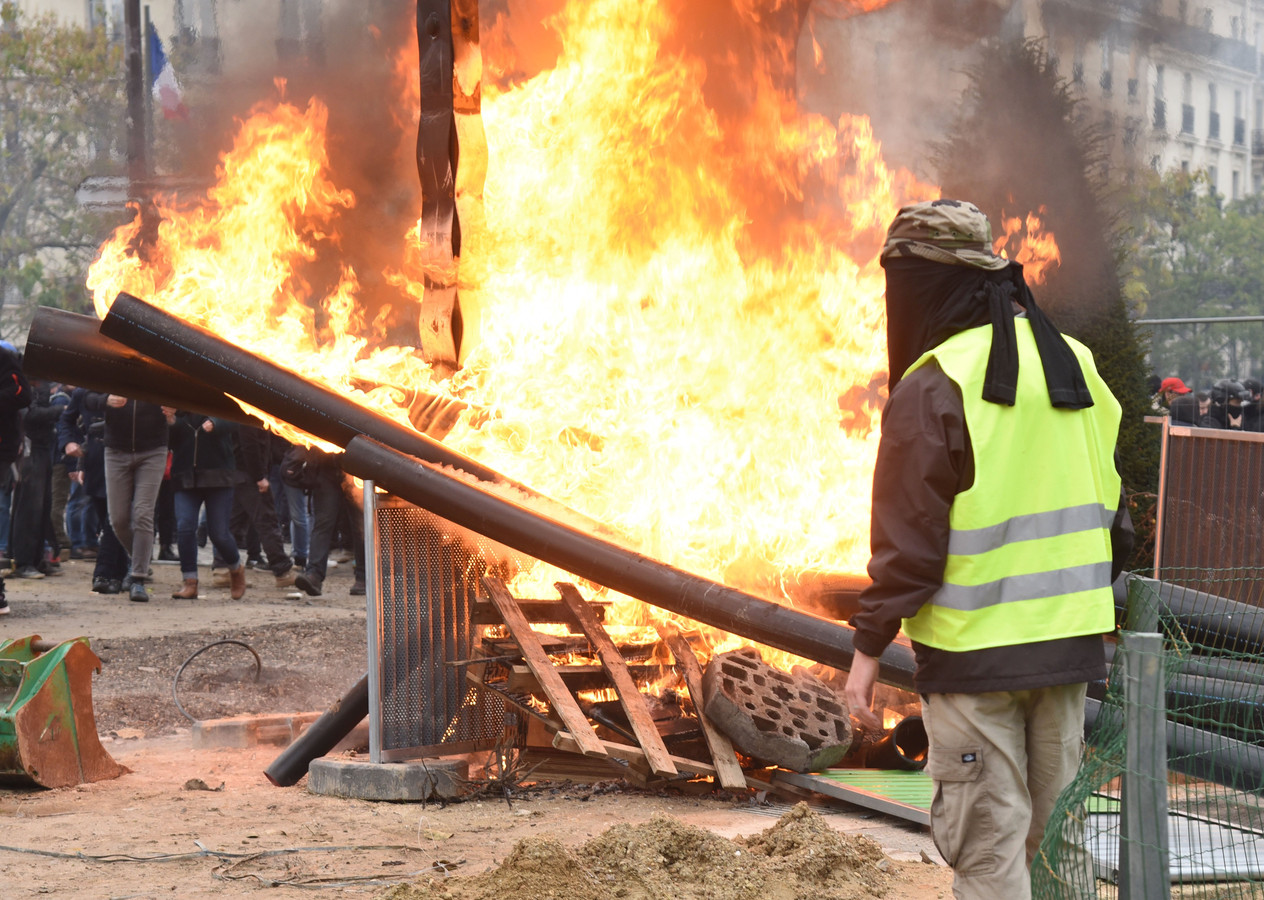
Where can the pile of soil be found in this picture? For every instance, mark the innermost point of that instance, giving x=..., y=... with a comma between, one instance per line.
x=799, y=856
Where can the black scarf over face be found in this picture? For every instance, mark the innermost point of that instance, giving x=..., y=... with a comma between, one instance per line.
x=929, y=302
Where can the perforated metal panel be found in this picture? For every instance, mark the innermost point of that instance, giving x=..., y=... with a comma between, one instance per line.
x=423, y=580
x=1211, y=513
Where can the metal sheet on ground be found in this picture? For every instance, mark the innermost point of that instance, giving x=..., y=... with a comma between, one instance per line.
x=906, y=795
x=1200, y=849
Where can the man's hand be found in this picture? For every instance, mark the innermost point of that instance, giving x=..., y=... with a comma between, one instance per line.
x=116, y=401
x=208, y=426
x=73, y=449
x=263, y=485
x=859, y=690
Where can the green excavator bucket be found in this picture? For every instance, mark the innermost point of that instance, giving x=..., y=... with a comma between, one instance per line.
x=48, y=735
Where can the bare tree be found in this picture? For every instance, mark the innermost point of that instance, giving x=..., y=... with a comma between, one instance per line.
x=61, y=118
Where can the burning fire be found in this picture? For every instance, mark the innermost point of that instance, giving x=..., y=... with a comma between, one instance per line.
x=1037, y=249
x=661, y=316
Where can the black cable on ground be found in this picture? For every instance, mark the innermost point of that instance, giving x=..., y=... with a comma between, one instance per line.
x=175, y=681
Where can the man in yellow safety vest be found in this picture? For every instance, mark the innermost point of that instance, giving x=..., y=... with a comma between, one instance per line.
x=998, y=527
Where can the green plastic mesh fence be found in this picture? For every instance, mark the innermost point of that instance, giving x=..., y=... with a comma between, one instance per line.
x=1212, y=666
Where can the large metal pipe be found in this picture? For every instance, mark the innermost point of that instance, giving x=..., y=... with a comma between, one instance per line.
x=1216, y=668
x=616, y=567
x=1230, y=708
x=69, y=347
x=321, y=736
x=314, y=408
x=1196, y=752
x=1206, y=620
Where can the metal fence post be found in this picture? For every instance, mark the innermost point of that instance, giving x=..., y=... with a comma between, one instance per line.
x=1143, y=832
x=372, y=605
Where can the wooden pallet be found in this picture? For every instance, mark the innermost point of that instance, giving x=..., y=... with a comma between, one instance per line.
x=647, y=760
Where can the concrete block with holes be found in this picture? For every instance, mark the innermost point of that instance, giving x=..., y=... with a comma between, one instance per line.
x=790, y=719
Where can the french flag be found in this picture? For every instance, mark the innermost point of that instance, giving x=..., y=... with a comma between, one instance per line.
x=164, y=85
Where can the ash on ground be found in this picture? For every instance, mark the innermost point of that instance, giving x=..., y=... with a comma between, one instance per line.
x=798, y=858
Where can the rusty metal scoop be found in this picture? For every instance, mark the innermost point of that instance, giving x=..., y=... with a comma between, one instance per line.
x=48, y=734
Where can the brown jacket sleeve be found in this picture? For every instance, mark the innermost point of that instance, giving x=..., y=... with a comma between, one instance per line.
x=923, y=461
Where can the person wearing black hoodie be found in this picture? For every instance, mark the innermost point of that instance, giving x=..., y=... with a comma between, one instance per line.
x=998, y=526
x=135, y=460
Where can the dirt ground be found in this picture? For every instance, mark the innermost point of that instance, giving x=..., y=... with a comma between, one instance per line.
x=194, y=823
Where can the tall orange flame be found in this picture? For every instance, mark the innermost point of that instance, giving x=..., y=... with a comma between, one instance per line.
x=1037, y=249
x=659, y=345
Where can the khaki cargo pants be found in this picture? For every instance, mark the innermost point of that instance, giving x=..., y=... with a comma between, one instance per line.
x=999, y=761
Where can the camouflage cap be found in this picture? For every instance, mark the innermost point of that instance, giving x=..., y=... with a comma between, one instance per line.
x=952, y=232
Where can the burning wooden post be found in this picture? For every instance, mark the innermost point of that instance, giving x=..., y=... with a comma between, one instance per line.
x=449, y=131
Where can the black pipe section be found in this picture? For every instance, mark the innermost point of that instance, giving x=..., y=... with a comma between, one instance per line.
x=1206, y=620
x=616, y=567
x=1199, y=753
x=69, y=348
x=314, y=408
x=321, y=737
x=1216, y=668
x=1230, y=708
x=904, y=747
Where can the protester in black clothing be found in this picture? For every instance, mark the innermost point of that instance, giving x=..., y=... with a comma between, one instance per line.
x=203, y=473
x=330, y=498
x=165, y=515
x=1253, y=415
x=81, y=432
x=60, y=480
x=1229, y=400
x=1184, y=410
x=33, y=500
x=15, y=397
x=253, y=506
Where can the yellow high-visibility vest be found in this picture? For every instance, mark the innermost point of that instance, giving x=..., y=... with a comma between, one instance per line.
x=1029, y=554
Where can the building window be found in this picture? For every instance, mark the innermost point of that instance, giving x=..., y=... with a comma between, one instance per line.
x=1182, y=10
x=1237, y=186
x=1213, y=114
x=1106, y=79
x=1209, y=20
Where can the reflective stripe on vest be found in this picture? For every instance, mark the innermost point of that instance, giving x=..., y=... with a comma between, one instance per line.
x=1029, y=555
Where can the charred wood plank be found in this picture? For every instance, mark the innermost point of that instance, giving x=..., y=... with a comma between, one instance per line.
x=577, y=678
x=560, y=698
x=565, y=741
x=551, y=612
x=629, y=694
x=728, y=770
